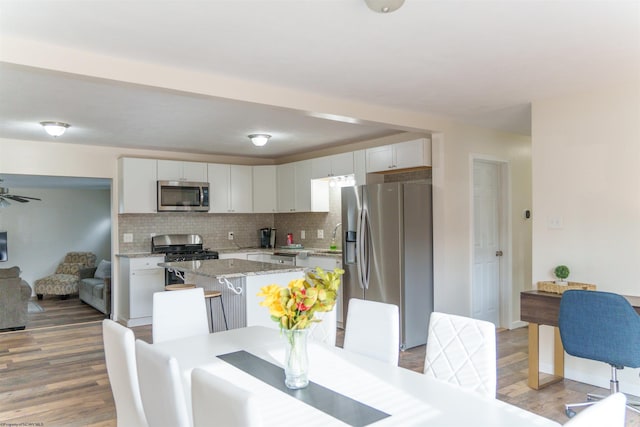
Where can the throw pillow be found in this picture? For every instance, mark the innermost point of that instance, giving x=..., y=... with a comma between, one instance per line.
x=104, y=270
x=9, y=273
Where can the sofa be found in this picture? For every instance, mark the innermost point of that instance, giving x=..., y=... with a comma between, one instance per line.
x=14, y=299
x=95, y=289
x=65, y=280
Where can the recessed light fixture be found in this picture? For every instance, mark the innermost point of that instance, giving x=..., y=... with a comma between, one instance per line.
x=259, y=139
x=384, y=6
x=55, y=129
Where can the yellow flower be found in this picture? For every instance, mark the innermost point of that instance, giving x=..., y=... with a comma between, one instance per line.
x=294, y=306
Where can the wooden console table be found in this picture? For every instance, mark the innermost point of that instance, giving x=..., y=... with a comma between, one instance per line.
x=542, y=308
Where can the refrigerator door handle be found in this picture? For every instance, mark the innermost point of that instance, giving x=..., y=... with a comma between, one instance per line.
x=363, y=249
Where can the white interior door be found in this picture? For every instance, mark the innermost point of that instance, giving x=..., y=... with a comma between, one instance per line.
x=487, y=253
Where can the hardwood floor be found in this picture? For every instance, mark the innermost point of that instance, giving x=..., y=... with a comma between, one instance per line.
x=62, y=312
x=56, y=376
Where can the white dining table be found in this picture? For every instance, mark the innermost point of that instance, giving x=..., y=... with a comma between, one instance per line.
x=408, y=397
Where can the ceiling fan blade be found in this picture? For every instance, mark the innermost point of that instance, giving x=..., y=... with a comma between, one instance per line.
x=25, y=197
x=15, y=198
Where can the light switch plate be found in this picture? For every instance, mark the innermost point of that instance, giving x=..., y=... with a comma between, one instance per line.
x=320, y=234
x=127, y=237
x=303, y=235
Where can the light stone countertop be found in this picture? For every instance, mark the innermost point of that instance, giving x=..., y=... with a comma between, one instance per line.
x=229, y=268
x=302, y=252
x=139, y=255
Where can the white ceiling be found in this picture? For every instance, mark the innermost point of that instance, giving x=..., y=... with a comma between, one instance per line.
x=482, y=62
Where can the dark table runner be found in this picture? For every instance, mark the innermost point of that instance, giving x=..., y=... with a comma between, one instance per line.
x=328, y=401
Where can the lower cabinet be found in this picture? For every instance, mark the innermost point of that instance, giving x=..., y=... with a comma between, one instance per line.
x=140, y=278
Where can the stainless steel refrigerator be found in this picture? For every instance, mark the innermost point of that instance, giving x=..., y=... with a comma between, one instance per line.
x=388, y=252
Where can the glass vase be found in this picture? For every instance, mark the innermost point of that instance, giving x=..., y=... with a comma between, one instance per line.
x=296, y=360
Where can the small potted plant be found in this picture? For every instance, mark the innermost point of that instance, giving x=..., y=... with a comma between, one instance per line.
x=561, y=272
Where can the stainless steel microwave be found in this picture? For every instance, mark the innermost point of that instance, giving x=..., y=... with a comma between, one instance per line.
x=183, y=196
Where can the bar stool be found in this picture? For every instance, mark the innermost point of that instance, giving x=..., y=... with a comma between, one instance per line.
x=215, y=294
x=179, y=287
x=208, y=295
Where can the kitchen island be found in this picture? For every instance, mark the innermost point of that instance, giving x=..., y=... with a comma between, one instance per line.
x=239, y=281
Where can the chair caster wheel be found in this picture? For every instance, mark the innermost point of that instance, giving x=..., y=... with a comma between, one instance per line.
x=570, y=413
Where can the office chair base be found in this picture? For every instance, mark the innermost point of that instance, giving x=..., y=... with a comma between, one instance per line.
x=632, y=404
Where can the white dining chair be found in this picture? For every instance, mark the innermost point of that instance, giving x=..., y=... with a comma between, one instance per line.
x=373, y=330
x=120, y=358
x=462, y=351
x=161, y=388
x=179, y=314
x=218, y=402
x=325, y=330
x=609, y=412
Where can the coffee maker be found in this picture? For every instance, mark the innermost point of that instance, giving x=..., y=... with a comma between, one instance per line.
x=267, y=237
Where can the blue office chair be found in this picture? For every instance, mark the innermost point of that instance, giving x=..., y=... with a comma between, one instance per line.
x=600, y=326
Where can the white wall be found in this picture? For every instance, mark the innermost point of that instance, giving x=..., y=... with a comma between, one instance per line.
x=40, y=233
x=453, y=238
x=586, y=163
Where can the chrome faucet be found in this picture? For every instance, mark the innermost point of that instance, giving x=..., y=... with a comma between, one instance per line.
x=333, y=246
x=336, y=229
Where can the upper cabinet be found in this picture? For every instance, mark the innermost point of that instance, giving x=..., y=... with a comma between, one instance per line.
x=230, y=188
x=402, y=155
x=335, y=165
x=264, y=189
x=360, y=167
x=137, y=185
x=296, y=191
x=286, y=192
x=174, y=170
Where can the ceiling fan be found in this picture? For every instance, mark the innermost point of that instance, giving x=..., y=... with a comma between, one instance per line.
x=5, y=196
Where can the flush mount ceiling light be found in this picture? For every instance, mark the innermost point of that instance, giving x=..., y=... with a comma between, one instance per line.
x=55, y=129
x=259, y=139
x=384, y=6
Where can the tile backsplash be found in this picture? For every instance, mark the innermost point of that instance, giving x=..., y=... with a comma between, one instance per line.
x=214, y=227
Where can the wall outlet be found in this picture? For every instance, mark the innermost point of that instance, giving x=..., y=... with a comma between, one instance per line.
x=555, y=222
x=230, y=235
x=152, y=234
x=303, y=235
x=320, y=234
x=127, y=237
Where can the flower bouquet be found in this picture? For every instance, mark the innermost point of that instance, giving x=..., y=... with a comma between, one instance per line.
x=294, y=308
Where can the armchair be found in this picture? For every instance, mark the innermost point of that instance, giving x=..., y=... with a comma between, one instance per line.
x=14, y=299
x=65, y=280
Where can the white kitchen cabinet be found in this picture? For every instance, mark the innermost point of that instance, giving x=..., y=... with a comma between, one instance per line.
x=297, y=192
x=402, y=155
x=286, y=192
x=232, y=255
x=360, y=167
x=335, y=165
x=175, y=170
x=265, y=189
x=303, y=186
x=230, y=188
x=140, y=278
x=259, y=257
x=137, y=185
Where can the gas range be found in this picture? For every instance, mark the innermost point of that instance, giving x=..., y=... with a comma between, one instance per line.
x=180, y=247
